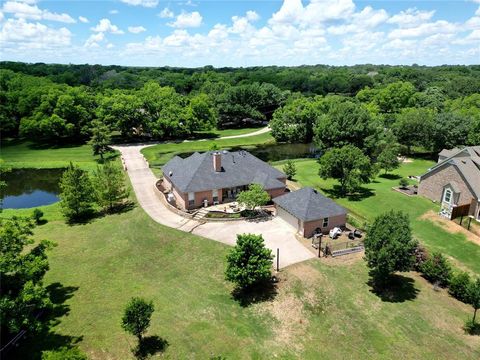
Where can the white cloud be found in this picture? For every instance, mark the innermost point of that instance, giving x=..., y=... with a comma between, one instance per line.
x=166, y=13
x=439, y=27
x=94, y=40
x=187, y=20
x=242, y=24
x=144, y=3
x=110, y=46
x=106, y=26
x=20, y=34
x=136, y=29
x=83, y=19
x=368, y=18
x=113, y=12
x=1, y=16
x=411, y=17
x=23, y=10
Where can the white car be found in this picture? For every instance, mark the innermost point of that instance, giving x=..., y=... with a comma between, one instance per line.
x=335, y=232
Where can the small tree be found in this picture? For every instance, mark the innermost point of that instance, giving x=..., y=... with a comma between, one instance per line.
x=348, y=165
x=249, y=262
x=389, y=246
x=437, y=269
x=109, y=183
x=459, y=285
x=388, y=159
x=77, y=195
x=37, y=215
x=101, y=139
x=290, y=169
x=403, y=183
x=474, y=297
x=253, y=197
x=136, y=318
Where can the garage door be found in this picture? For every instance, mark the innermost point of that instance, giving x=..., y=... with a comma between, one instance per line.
x=288, y=218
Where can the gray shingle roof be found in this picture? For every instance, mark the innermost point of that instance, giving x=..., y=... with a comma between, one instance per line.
x=307, y=204
x=196, y=173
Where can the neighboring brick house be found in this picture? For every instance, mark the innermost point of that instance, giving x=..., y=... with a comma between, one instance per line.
x=454, y=182
x=214, y=177
x=308, y=211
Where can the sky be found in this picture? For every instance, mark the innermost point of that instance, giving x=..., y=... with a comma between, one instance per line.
x=192, y=33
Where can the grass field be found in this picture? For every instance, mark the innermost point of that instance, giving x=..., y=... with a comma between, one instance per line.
x=322, y=308
x=379, y=197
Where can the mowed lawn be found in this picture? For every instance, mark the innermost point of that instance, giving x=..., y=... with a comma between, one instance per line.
x=323, y=309
x=379, y=197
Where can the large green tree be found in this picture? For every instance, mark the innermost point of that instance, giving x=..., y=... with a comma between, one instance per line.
x=101, y=138
x=253, y=197
x=414, y=127
x=348, y=165
x=109, y=184
x=389, y=245
x=77, y=194
x=249, y=263
x=136, y=317
x=23, y=265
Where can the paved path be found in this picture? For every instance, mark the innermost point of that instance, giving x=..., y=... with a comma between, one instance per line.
x=276, y=232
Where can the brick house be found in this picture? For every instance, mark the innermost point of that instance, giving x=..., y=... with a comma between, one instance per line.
x=308, y=211
x=215, y=177
x=454, y=182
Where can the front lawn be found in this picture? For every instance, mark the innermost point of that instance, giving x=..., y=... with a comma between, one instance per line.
x=379, y=197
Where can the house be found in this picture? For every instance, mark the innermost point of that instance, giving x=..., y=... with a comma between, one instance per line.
x=454, y=182
x=308, y=211
x=215, y=177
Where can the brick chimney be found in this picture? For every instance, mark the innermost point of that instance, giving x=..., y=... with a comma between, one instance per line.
x=217, y=161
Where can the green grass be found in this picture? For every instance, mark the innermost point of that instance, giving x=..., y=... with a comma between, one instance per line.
x=226, y=132
x=25, y=154
x=379, y=197
x=159, y=154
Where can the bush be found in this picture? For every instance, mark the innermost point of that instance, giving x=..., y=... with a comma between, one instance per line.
x=437, y=270
x=421, y=255
x=459, y=284
x=471, y=327
x=64, y=353
x=403, y=183
x=37, y=216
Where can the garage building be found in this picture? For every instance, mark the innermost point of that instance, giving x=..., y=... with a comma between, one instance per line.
x=308, y=211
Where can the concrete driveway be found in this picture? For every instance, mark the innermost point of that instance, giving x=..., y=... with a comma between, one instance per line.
x=276, y=232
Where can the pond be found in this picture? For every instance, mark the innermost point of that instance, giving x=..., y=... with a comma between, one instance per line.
x=27, y=188
x=276, y=152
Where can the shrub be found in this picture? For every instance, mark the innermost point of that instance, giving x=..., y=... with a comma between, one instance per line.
x=421, y=255
x=37, y=216
x=64, y=353
x=437, y=270
x=403, y=183
x=459, y=284
x=290, y=169
x=471, y=327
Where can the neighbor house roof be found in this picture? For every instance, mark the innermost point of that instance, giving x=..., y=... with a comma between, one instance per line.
x=467, y=162
x=308, y=204
x=196, y=173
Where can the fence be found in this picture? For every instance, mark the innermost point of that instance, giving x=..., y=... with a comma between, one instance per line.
x=341, y=247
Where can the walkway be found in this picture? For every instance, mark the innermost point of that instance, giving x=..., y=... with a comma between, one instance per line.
x=276, y=232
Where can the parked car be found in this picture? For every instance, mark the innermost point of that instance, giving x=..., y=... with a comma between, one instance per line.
x=335, y=232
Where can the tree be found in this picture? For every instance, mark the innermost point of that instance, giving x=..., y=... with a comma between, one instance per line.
x=389, y=246
x=101, y=139
x=77, y=194
x=403, y=183
x=395, y=96
x=253, y=197
x=249, y=263
x=290, y=169
x=459, y=285
x=23, y=265
x=474, y=297
x=414, y=127
x=450, y=129
x=437, y=269
x=474, y=133
x=348, y=165
x=136, y=317
x=109, y=184
x=388, y=158
x=37, y=215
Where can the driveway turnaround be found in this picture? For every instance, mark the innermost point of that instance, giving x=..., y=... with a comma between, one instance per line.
x=277, y=233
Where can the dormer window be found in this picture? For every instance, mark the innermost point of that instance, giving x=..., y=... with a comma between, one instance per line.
x=447, y=196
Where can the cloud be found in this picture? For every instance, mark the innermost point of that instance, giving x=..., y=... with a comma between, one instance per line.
x=94, y=40
x=144, y=3
x=368, y=18
x=437, y=27
x=23, y=10
x=166, y=13
x=136, y=29
x=187, y=20
x=83, y=19
x=113, y=12
x=1, y=16
x=411, y=17
x=106, y=26
x=21, y=34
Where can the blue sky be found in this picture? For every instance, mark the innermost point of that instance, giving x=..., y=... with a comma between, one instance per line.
x=240, y=33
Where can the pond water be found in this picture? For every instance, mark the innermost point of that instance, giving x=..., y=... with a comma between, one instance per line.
x=276, y=152
x=27, y=188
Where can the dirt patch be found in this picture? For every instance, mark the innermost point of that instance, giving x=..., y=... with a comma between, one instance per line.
x=450, y=226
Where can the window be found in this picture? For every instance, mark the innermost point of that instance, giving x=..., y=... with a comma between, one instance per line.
x=191, y=198
x=325, y=223
x=447, y=197
x=215, y=195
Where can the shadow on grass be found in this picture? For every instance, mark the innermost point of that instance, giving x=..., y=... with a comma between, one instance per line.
x=32, y=346
x=92, y=215
x=149, y=346
x=266, y=291
x=472, y=328
x=390, y=176
x=397, y=289
x=359, y=195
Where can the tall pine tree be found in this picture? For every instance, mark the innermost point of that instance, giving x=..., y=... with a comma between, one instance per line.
x=77, y=194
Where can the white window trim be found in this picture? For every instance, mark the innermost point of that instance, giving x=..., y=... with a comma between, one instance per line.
x=447, y=190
